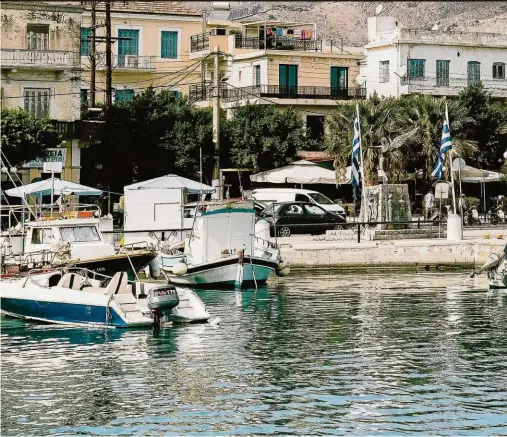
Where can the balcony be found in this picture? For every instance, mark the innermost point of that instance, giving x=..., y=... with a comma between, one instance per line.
x=278, y=43
x=451, y=86
x=229, y=94
x=200, y=42
x=126, y=62
x=79, y=130
x=45, y=59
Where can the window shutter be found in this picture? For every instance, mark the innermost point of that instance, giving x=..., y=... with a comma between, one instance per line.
x=293, y=76
x=85, y=42
x=282, y=81
x=169, y=45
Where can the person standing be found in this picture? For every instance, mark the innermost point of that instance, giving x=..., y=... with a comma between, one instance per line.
x=429, y=203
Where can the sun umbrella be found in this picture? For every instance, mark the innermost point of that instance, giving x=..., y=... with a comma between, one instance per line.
x=172, y=181
x=60, y=187
x=474, y=175
x=299, y=172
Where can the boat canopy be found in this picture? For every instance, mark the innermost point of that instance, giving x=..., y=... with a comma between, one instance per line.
x=172, y=181
x=60, y=187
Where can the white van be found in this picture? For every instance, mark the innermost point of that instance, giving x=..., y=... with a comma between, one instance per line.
x=296, y=195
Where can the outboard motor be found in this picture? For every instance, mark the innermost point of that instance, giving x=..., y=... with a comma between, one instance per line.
x=161, y=301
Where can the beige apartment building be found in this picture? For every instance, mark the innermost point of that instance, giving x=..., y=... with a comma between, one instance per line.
x=152, y=49
x=275, y=62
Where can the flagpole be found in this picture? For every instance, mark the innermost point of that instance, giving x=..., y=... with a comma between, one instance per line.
x=361, y=178
x=450, y=164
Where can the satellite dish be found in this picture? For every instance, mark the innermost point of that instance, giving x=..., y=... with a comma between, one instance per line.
x=435, y=27
x=360, y=79
x=458, y=164
x=402, y=70
x=379, y=8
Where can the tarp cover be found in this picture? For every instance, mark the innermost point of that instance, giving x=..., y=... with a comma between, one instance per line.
x=60, y=187
x=299, y=172
x=172, y=181
x=475, y=175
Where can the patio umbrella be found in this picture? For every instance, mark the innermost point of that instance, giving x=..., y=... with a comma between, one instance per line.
x=172, y=181
x=478, y=176
x=299, y=172
x=43, y=188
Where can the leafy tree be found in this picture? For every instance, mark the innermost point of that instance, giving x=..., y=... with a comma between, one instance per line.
x=24, y=137
x=263, y=137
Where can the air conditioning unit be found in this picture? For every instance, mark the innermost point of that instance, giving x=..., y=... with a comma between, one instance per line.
x=131, y=61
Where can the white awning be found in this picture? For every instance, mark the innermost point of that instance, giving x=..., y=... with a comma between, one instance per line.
x=299, y=172
x=171, y=181
x=60, y=187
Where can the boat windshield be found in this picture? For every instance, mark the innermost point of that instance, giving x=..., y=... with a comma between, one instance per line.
x=79, y=234
x=321, y=199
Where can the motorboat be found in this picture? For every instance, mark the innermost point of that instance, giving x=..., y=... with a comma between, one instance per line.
x=59, y=241
x=85, y=298
x=226, y=250
x=496, y=270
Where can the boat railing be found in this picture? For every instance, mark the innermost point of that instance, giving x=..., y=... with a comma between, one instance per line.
x=132, y=247
x=264, y=242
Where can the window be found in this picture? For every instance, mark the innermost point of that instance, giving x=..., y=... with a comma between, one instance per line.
x=168, y=44
x=443, y=73
x=416, y=68
x=42, y=236
x=294, y=210
x=321, y=199
x=302, y=198
x=79, y=234
x=36, y=101
x=315, y=126
x=314, y=210
x=129, y=46
x=85, y=41
x=383, y=73
x=123, y=95
x=288, y=79
x=339, y=81
x=498, y=70
x=37, y=36
x=257, y=75
x=474, y=72
x=84, y=97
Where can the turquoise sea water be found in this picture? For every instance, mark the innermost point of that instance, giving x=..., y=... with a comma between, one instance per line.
x=313, y=354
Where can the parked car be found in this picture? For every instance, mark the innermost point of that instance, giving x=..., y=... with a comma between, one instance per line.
x=268, y=195
x=301, y=218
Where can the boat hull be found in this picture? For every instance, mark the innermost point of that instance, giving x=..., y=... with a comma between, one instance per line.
x=223, y=274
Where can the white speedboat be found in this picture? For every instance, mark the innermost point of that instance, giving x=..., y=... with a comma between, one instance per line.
x=225, y=250
x=81, y=298
x=496, y=269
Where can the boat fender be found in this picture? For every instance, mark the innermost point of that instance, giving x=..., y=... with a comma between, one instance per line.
x=283, y=272
x=180, y=268
x=281, y=265
x=155, y=268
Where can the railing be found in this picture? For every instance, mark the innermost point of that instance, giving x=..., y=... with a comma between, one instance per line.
x=127, y=62
x=39, y=58
x=79, y=129
x=431, y=83
x=277, y=43
x=293, y=92
x=199, y=42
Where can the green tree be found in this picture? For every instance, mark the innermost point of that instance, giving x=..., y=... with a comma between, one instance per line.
x=24, y=137
x=263, y=137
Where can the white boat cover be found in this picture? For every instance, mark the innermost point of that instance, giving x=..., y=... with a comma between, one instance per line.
x=171, y=181
x=60, y=187
x=299, y=172
x=478, y=176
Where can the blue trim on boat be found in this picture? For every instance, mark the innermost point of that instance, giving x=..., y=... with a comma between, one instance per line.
x=229, y=210
x=61, y=312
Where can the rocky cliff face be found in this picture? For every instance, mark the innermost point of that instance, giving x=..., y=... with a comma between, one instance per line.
x=348, y=20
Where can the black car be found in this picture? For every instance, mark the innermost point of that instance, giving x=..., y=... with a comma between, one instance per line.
x=301, y=218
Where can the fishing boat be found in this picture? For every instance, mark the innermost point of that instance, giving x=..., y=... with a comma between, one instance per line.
x=496, y=270
x=84, y=298
x=58, y=241
x=225, y=250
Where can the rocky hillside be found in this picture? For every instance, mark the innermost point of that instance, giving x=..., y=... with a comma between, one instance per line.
x=348, y=20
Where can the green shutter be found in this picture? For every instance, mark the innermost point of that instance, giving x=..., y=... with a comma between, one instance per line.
x=293, y=76
x=127, y=46
x=474, y=72
x=416, y=68
x=169, y=45
x=85, y=42
x=442, y=73
x=283, y=76
x=123, y=95
x=339, y=81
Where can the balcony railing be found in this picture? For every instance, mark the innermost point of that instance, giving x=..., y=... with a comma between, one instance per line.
x=277, y=43
x=39, y=58
x=199, y=42
x=79, y=129
x=203, y=92
x=452, y=85
x=127, y=62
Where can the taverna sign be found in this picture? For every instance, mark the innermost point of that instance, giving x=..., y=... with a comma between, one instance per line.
x=52, y=155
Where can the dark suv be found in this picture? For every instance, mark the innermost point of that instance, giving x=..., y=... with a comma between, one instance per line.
x=301, y=218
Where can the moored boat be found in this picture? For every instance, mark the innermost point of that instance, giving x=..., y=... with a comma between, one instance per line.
x=496, y=270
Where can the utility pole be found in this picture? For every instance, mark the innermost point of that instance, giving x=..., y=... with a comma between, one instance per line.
x=93, y=58
x=109, y=69
x=216, y=182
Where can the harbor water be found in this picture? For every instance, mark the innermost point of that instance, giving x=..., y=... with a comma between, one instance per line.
x=311, y=354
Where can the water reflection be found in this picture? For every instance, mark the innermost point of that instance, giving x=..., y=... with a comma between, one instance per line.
x=326, y=353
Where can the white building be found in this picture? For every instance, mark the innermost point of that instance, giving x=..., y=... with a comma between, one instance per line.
x=406, y=61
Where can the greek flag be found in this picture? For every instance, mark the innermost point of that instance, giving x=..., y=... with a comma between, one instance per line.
x=445, y=146
x=356, y=147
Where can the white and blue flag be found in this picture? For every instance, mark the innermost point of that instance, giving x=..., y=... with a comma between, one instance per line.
x=356, y=148
x=445, y=146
